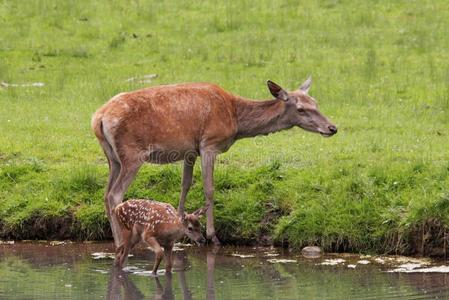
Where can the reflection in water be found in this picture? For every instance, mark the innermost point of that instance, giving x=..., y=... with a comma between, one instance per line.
x=121, y=285
x=182, y=281
x=118, y=280
x=210, y=258
x=39, y=271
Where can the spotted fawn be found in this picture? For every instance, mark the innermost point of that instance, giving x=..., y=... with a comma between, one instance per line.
x=158, y=225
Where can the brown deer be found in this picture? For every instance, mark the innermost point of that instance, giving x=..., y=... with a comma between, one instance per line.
x=168, y=123
x=158, y=225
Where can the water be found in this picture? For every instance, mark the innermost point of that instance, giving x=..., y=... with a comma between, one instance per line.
x=68, y=271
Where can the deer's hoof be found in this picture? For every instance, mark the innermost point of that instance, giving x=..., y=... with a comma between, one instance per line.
x=215, y=241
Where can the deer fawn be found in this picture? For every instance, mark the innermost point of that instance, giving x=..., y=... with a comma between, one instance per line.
x=157, y=224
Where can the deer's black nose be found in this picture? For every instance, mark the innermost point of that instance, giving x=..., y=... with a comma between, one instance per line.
x=333, y=129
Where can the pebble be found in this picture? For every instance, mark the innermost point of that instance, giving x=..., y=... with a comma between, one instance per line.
x=311, y=251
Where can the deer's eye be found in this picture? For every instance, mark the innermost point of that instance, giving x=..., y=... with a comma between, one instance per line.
x=301, y=110
x=190, y=228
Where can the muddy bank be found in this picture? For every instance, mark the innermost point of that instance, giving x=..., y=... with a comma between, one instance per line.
x=428, y=239
x=53, y=228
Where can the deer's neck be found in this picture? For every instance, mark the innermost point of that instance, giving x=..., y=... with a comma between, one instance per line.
x=260, y=117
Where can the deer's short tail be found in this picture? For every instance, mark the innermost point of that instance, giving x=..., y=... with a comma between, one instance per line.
x=98, y=128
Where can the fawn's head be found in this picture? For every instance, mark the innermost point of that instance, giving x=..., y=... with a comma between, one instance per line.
x=302, y=109
x=192, y=225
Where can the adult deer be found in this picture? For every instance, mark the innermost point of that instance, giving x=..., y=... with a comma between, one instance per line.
x=168, y=123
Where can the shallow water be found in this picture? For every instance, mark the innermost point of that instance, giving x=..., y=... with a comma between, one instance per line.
x=69, y=271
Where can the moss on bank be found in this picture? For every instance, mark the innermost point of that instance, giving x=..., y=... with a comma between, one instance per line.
x=366, y=210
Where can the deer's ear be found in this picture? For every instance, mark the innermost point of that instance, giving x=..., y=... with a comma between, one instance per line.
x=277, y=91
x=305, y=86
x=200, y=211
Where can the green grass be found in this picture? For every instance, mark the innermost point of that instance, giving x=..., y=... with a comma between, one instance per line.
x=380, y=72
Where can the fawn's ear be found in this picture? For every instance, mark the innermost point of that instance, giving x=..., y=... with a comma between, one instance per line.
x=201, y=211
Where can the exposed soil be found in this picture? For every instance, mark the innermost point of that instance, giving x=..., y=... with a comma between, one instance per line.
x=427, y=239
x=52, y=228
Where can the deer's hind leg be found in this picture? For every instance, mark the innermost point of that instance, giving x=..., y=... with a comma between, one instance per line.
x=130, y=239
x=121, y=253
x=115, y=196
x=114, y=171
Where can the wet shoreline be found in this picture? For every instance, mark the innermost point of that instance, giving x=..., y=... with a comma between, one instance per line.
x=42, y=270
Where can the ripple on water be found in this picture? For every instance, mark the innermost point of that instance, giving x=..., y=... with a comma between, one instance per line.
x=41, y=272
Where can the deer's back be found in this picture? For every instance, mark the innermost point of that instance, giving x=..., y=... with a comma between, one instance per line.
x=172, y=117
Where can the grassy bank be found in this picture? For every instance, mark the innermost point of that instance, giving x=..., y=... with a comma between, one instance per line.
x=380, y=69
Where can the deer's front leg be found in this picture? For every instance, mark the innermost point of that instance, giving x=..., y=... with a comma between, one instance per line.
x=207, y=168
x=154, y=245
x=187, y=175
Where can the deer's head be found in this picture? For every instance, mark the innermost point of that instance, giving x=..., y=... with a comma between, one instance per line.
x=302, y=109
x=192, y=225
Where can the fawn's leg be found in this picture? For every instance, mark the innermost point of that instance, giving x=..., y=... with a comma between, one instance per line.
x=168, y=258
x=154, y=245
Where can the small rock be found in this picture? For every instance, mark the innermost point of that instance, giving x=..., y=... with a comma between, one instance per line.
x=379, y=260
x=405, y=259
x=270, y=254
x=363, y=262
x=56, y=243
x=281, y=261
x=243, y=255
x=6, y=242
x=409, y=266
x=183, y=245
x=332, y=262
x=352, y=266
x=411, y=269
x=102, y=255
x=311, y=251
